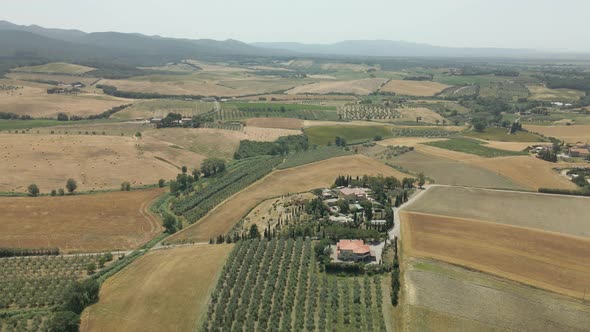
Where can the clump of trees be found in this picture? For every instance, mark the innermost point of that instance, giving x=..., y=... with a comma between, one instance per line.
x=212, y=166
x=395, y=274
x=33, y=190
x=71, y=186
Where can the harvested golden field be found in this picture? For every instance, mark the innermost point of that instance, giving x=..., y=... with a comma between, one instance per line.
x=569, y=134
x=33, y=100
x=293, y=180
x=165, y=290
x=407, y=141
x=551, y=261
x=357, y=87
x=553, y=213
x=185, y=87
x=427, y=115
x=323, y=99
x=540, y=92
x=80, y=223
x=56, y=68
x=512, y=146
x=208, y=142
x=517, y=168
x=413, y=88
x=281, y=123
x=159, y=108
x=67, y=79
x=445, y=297
x=95, y=162
x=268, y=134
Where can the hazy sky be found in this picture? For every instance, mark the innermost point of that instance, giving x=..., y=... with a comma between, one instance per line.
x=540, y=24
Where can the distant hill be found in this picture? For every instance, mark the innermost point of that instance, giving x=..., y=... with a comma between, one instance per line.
x=34, y=42
x=388, y=48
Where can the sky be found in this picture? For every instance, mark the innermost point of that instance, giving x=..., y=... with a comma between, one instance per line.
x=535, y=24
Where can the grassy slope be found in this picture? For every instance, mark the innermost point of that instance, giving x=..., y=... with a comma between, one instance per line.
x=472, y=147
x=500, y=134
x=323, y=135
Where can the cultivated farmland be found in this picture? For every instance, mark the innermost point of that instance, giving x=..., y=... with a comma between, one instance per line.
x=532, y=210
x=279, y=288
x=56, y=68
x=446, y=297
x=97, y=222
x=160, y=108
x=452, y=172
x=96, y=162
x=324, y=135
x=551, y=261
x=516, y=168
x=281, y=123
x=540, y=92
x=368, y=112
x=569, y=134
x=36, y=102
x=413, y=88
x=293, y=180
x=163, y=290
x=357, y=87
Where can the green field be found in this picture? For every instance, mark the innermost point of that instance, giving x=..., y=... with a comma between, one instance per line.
x=323, y=135
x=313, y=155
x=500, y=134
x=473, y=147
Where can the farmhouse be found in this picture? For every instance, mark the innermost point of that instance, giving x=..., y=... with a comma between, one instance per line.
x=579, y=152
x=353, y=250
x=352, y=194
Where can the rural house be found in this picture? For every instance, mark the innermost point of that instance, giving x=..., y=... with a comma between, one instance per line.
x=353, y=250
x=352, y=194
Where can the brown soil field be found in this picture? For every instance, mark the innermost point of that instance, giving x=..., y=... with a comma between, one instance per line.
x=293, y=180
x=551, y=261
x=553, y=213
x=413, y=88
x=80, y=223
x=569, y=134
x=34, y=101
x=165, y=290
x=281, y=123
x=428, y=116
x=448, y=171
x=445, y=297
x=516, y=168
x=358, y=87
x=95, y=162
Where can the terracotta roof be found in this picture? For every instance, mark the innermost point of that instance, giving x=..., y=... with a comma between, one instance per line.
x=357, y=246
